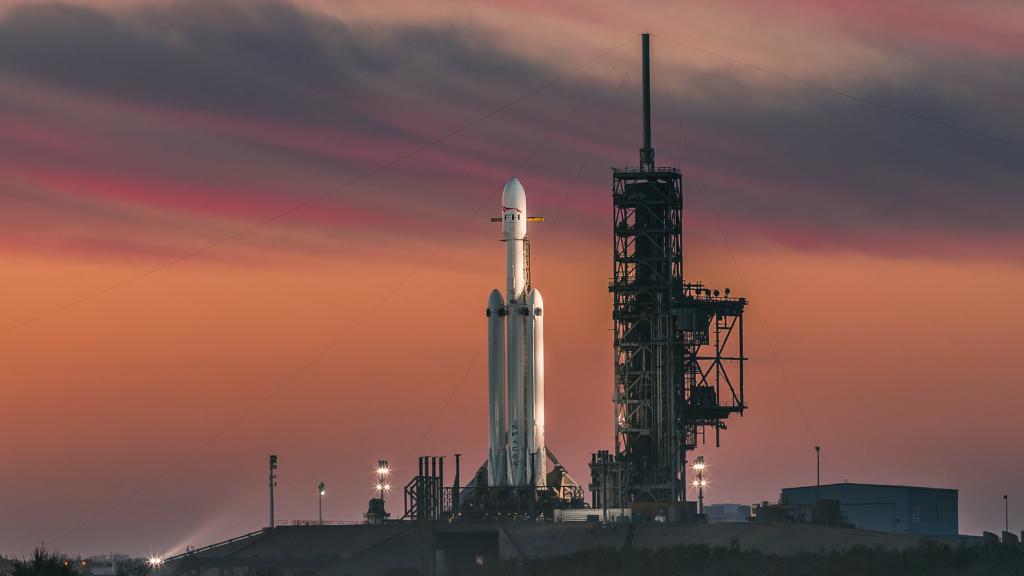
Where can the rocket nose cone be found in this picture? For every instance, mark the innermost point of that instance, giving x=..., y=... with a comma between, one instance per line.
x=514, y=196
x=534, y=300
x=496, y=300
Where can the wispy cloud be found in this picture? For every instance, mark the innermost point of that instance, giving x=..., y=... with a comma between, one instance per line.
x=244, y=110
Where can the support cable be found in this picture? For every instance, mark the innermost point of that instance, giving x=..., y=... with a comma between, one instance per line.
x=323, y=351
x=311, y=201
x=612, y=106
x=851, y=96
x=739, y=274
x=476, y=357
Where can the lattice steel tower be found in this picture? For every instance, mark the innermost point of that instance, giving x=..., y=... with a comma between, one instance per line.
x=678, y=364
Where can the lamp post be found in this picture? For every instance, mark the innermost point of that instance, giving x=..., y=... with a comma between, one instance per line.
x=1006, y=512
x=321, y=490
x=699, y=483
x=382, y=478
x=273, y=482
x=817, y=469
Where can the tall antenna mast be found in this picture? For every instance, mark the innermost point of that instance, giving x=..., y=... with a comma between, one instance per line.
x=678, y=373
x=647, y=152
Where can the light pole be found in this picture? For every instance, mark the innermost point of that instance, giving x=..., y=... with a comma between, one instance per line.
x=382, y=478
x=817, y=468
x=699, y=483
x=1006, y=512
x=273, y=482
x=322, y=489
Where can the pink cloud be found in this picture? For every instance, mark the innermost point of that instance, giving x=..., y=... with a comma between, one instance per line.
x=961, y=26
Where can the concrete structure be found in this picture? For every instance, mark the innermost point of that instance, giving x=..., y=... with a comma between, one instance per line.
x=108, y=565
x=593, y=515
x=884, y=508
x=727, y=513
x=439, y=549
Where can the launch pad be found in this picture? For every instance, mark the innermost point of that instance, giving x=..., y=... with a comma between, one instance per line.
x=427, y=497
x=678, y=368
x=678, y=354
x=678, y=374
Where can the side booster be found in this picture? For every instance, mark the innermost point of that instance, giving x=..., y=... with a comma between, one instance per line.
x=515, y=343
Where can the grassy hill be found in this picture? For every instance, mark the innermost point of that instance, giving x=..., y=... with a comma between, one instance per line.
x=929, y=558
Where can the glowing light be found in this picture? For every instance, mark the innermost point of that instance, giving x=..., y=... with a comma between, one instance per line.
x=698, y=466
x=700, y=483
x=155, y=561
x=382, y=478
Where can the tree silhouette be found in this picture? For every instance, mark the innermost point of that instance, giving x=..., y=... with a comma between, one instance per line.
x=133, y=567
x=42, y=563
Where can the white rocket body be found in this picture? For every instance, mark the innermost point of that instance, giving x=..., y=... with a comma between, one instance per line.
x=497, y=456
x=534, y=402
x=522, y=406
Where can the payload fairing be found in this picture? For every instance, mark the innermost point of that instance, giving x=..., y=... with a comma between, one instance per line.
x=515, y=344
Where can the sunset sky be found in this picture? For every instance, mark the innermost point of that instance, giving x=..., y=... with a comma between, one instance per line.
x=239, y=228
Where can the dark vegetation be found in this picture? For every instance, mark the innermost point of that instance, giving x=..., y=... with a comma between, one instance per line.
x=41, y=563
x=928, y=558
x=46, y=563
x=134, y=567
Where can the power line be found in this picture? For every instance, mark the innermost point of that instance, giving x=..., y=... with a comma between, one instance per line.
x=451, y=396
x=462, y=381
x=561, y=124
x=732, y=257
x=311, y=201
x=576, y=108
x=612, y=105
x=850, y=96
x=324, y=350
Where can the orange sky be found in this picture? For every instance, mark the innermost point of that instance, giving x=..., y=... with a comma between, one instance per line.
x=159, y=336
x=144, y=413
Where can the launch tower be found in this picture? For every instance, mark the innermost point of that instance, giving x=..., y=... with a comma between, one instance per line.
x=678, y=345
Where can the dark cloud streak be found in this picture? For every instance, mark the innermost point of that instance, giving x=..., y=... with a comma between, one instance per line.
x=779, y=157
x=261, y=58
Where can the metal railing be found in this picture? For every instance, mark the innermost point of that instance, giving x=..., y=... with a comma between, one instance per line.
x=189, y=551
x=302, y=522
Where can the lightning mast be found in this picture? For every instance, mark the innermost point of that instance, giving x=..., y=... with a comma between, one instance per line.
x=678, y=366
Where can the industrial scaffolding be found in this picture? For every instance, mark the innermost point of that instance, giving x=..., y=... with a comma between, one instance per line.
x=678, y=346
